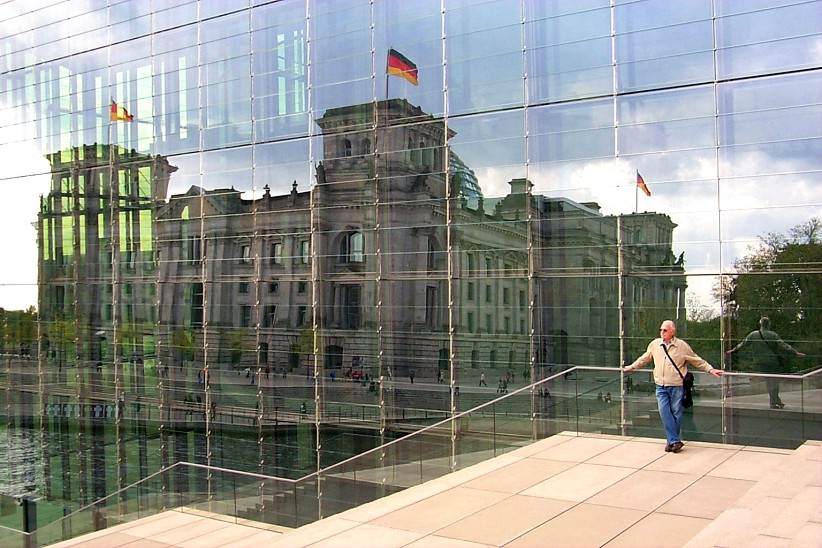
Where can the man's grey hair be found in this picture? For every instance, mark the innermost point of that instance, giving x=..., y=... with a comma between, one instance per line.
x=764, y=322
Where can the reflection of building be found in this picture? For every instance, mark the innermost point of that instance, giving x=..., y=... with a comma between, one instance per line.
x=579, y=320
x=213, y=277
x=94, y=232
x=377, y=216
x=97, y=271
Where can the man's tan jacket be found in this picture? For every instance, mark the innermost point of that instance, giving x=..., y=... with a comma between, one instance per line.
x=664, y=373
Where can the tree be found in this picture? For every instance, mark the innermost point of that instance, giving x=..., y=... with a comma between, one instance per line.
x=780, y=279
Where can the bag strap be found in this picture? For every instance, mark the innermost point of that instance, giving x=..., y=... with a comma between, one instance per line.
x=768, y=343
x=681, y=376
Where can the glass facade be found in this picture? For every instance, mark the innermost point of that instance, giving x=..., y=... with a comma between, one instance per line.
x=231, y=238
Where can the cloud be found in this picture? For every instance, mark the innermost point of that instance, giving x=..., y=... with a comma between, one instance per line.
x=18, y=214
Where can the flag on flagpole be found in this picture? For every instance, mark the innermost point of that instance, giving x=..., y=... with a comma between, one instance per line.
x=399, y=65
x=640, y=184
x=119, y=114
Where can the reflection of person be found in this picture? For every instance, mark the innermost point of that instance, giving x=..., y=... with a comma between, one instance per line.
x=768, y=352
x=663, y=351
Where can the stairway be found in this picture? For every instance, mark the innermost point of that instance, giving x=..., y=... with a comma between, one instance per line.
x=784, y=508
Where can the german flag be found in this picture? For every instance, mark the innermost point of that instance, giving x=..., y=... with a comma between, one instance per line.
x=399, y=65
x=640, y=184
x=119, y=114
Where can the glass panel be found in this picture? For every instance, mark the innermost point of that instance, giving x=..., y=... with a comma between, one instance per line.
x=754, y=43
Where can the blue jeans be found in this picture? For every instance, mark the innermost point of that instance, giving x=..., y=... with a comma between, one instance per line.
x=669, y=400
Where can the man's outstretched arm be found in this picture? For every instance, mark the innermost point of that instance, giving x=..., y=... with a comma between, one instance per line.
x=641, y=361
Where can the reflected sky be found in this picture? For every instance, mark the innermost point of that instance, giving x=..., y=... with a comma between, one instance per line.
x=528, y=95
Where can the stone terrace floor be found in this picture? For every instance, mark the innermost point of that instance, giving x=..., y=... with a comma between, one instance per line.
x=567, y=490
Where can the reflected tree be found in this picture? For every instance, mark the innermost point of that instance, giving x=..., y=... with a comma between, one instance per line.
x=18, y=331
x=780, y=279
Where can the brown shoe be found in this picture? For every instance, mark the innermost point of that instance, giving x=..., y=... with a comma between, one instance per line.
x=668, y=447
x=677, y=446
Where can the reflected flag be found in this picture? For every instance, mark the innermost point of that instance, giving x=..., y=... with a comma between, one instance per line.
x=640, y=184
x=399, y=65
x=119, y=114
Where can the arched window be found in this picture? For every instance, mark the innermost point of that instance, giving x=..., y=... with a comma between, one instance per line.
x=352, y=248
x=346, y=148
x=443, y=361
x=433, y=258
x=414, y=152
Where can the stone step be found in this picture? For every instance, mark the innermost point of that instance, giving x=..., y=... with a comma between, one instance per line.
x=784, y=508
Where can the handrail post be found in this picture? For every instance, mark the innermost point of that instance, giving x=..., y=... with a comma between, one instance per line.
x=494, y=426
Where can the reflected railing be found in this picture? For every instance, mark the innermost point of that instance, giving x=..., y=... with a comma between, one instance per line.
x=735, y=408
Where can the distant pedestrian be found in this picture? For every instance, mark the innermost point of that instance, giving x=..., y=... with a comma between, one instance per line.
x=411, y=376
x=482, y=380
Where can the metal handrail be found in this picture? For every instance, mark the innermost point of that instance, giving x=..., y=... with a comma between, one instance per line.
x=428, y=428
x=13, y=530
x=117, y=492
x=323, y=470
x=457, y=416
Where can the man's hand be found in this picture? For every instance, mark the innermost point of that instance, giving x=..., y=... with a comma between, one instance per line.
x=716, y=372
x=628, y=369
x=729, y=352
x=801, y=354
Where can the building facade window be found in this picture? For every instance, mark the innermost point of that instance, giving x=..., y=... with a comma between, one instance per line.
x=352, y=248
x=245, y=316
x=277, y=253
x=245, y=253
x=351, y=296
x=431, y=310
x=193, y=249
x=305, y=252
x=270, y=315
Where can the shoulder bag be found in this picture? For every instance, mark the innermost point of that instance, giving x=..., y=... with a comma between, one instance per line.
x=687, y=383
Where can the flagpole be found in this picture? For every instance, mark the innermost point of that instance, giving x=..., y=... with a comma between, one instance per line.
x=636, y=193
x=386, y=76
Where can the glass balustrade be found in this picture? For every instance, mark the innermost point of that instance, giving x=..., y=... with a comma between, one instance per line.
x=740, y=408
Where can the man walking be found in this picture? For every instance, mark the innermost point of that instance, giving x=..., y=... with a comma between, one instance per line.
x=768, y=352
x=670, y=355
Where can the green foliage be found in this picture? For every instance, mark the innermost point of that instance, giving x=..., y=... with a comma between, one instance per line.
x=780, y=279
x=18, y=330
